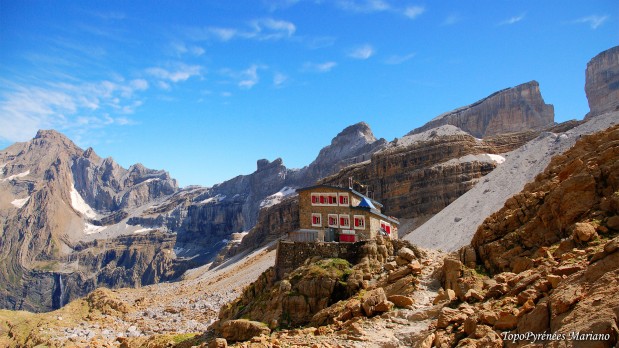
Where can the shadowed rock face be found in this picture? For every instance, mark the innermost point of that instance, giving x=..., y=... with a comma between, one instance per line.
x=602, y=82
x=510, y=110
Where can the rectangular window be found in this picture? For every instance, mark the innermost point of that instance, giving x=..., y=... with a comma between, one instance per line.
x=315, y=199
x=333, y=220
x=359, y=222
x=332, y=199
x=385, y=227
x=344, y=221
x=316, y=220
x=343, y=199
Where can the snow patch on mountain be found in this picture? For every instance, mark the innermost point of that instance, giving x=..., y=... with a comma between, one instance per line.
x=20, y=175
x=92, y=229
x=214, y=199
x=277, y=197
x=143, y=230
x=20, y=202
x=486, y=157
x=78, y=203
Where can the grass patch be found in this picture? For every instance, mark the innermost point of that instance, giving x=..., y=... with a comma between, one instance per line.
x=329, y=268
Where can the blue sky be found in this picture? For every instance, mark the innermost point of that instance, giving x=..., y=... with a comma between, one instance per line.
x=205, y=88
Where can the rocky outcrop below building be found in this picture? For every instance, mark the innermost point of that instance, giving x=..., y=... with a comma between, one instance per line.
x=546, y=263
x=326, y=290
x=602, y=82
x=510, y=110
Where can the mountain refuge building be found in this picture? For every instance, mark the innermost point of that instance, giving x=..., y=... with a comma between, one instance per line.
x=336, y=214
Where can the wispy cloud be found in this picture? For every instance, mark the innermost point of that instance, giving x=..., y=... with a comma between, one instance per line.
x=279, y=79
x=513, y=20
x=245, y=79
x=373, y=6
x=413, y=12
x=451, y=19
x=80, y=107
x=179, y=48
x=594, y=21
x=364, y=5
x=181, y=72
x=249, y=77
x=318, y=67
x=362, y=52
x=399, y=59
x=258, y=29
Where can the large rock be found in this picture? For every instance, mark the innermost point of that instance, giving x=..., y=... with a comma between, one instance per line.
x=602, y=82
x=242, y=330
x=374, y=301
x=510, y=110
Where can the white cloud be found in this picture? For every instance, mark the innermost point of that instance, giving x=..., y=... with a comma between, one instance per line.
x=181, y=73
x=593, y=20
x=279, y=79
x=272, y=29
x=258, y=29
x=180, y=48
x=319, y=67
x=399, y=59
x=513, y=20
x=249, y=77
x=80, y=107
x=413, y=12
x=364, y=5
x=362, y=52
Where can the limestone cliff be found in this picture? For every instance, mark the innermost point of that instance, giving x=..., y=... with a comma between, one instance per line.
x=547, y=262
x=46, y=220
x=602, y=82
x=510, y=110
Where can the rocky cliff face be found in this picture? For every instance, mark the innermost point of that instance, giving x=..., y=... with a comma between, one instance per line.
x=510, y=110
x=602, y=82
x=422, y=178
x=46, y=220
x=547, y=262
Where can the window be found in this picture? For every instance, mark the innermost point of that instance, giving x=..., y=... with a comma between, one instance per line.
x=344, y=221
x=332, y=198
x=315, y=199
x=323, y=199
x=333, y=220
x=343, y=198
x=316, y=220
x=359, y=222
x=385, y=227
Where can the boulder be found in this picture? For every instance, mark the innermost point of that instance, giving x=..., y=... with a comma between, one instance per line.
x=242, y=330
x=406, y=254
x=218, y=343
x=401, y=301
x=449, y=316
x=399, y=273
x=583, y=232
x=371, y=299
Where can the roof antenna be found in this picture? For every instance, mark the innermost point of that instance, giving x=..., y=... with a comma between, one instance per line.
x=350, y=182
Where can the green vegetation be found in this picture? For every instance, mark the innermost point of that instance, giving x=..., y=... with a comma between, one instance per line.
x=329, y=268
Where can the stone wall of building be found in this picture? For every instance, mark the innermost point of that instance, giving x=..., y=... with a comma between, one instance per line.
x=291, y=255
